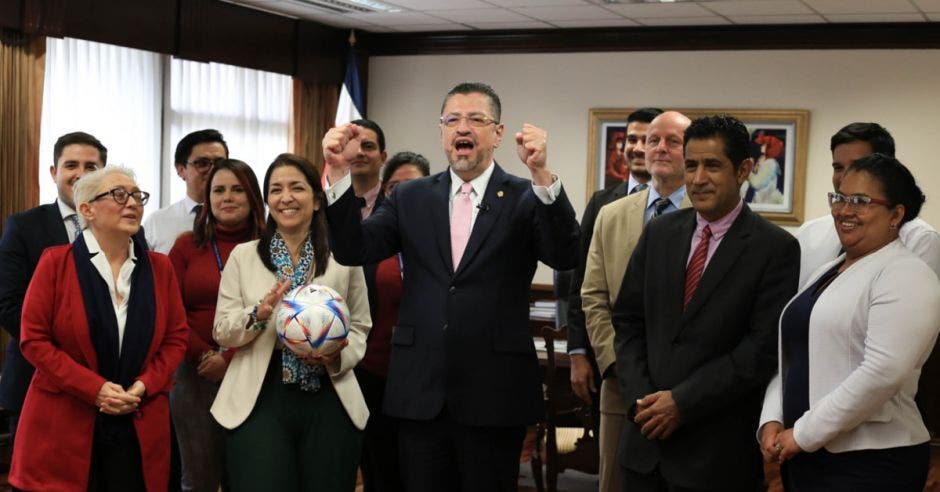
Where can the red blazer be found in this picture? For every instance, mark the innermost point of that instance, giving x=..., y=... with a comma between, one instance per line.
x=54, y=437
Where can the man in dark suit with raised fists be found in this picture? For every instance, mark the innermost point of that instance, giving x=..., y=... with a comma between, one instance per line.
x=464, y=378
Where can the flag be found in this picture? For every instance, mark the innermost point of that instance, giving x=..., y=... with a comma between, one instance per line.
x=350, y=106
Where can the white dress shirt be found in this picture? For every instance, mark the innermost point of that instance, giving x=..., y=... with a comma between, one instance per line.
x=123, y=286
x=67, y=212
x=165, y=225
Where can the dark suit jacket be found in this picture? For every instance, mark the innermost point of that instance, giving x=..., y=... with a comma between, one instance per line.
x=370, y=269
x=716, y=357
x=577, y=334
x=25, y=236
x=462, y=339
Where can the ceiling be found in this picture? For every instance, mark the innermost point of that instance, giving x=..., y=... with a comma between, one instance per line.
x=476, y=15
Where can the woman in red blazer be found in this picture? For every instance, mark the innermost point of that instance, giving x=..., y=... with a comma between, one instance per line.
x=104, y=326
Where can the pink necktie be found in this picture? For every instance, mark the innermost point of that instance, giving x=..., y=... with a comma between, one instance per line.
x=696, y=266
x=460, y=223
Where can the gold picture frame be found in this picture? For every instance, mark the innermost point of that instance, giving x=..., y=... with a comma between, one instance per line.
x=780, y=137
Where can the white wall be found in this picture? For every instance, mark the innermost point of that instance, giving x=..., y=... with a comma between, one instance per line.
x=897, y=88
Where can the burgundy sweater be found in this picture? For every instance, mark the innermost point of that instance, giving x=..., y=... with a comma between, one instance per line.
x=199, y=276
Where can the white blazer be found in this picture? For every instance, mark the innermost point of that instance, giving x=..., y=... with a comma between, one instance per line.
x=870, y=332
x=245, y=280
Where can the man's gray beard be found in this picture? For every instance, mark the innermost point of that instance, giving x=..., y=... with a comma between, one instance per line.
x=465, y=165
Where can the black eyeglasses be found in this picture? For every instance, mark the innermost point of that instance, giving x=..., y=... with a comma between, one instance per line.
x=204, y=163
x=854, y=202
x=120, y=195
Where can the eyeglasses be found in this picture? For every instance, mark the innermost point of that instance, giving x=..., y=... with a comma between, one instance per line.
x=474, y=120
x=120, y=195
x=203, y=163
x=855, y=202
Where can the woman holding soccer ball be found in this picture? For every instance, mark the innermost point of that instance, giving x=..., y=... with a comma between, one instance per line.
x=295, y=421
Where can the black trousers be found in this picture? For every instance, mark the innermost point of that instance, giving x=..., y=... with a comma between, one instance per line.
x=631, y=481
x=115, y=457
x=442, y=454
x=380, y=467
x=896, y=469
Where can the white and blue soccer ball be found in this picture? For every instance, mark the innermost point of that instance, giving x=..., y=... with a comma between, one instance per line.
x=313, y=320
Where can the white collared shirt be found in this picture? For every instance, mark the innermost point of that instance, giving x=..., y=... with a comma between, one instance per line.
x=165, y=225
x=66, y=212
x=100, y=261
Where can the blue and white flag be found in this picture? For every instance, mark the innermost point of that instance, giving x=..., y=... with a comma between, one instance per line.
x=349, y=107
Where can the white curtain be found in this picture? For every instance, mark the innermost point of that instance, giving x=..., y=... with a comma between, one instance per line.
x=250, y=107
x=111, y=92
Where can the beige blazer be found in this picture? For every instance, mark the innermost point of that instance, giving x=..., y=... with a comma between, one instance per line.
x=617, y=230
x=245, y=281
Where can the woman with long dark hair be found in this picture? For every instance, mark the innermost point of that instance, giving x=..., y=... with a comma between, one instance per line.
x=295, y=423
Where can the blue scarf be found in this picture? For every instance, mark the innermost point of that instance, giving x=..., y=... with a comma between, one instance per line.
x=295, y=371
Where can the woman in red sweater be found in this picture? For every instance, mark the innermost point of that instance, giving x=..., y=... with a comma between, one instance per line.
x=235, y=215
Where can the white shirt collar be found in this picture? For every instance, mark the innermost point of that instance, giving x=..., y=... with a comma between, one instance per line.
x=94, y=248
x=64, y=209
x=189, y=203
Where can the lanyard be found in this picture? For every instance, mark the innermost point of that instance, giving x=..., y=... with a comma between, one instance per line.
x=218, y=256
x=401, y=267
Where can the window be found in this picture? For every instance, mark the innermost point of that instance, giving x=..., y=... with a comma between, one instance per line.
x=118, y=95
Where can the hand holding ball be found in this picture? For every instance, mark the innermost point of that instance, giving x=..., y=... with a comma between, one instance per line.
x=313, y=321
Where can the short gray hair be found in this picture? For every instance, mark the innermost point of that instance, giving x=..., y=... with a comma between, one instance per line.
x=89, y=185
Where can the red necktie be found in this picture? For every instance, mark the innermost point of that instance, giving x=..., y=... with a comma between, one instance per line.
x=696, y=266
x=460, y=219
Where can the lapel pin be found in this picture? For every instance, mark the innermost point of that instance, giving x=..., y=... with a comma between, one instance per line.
x=499, y=194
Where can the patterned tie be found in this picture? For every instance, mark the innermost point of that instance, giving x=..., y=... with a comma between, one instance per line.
x=460, y=223
x=73, y=218
x=696, y=266
x=196, y=210
x=660, y=204
x=638, y=188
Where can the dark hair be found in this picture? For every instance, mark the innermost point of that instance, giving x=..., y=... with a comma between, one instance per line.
x=729, y=129
x=896, y=181
x=476, y=88
x=186, y=144
x=318, y=228
x=379, y=134
x=80, y=138
x=204, y=230
x=644, y=115
x=874, y=134
x=403, y=158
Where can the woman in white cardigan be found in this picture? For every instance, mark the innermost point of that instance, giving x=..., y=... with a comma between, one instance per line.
x=295, y=423
x=840, y=414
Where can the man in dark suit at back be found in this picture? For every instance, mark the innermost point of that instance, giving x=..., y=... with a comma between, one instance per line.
x=463, y=376
x=696, y=326
x=25, y=236
x=586, y=379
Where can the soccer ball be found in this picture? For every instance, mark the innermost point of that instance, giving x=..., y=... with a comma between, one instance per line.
x=313, y=320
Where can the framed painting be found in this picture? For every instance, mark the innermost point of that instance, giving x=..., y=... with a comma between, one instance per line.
x=776, y=186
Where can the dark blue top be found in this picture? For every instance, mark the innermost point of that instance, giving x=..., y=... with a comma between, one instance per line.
x=794, y=345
